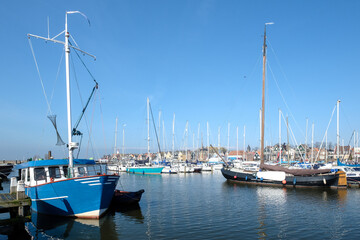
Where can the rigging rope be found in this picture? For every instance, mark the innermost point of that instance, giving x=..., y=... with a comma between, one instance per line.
x=283, y=72
x=157, y=139
x=41, y=81
x=293, y=138
x=326, y=132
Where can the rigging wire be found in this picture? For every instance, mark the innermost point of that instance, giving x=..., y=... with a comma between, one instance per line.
x=102, y=121
x=41, y=81
x=292, y=136
x=283, y=98
x=286, y=78
x=57, y=76
x=325, y=133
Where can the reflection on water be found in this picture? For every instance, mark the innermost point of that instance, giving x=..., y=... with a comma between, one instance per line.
x=45, y=226
x=206, y=206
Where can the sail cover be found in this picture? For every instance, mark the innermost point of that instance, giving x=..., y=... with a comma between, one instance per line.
x=295, y=172
x=53, y=120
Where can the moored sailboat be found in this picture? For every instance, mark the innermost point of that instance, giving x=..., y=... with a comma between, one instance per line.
x=277, y=175
x=146, y=169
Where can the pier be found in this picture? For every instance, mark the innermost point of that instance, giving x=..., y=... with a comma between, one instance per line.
x=15, y=202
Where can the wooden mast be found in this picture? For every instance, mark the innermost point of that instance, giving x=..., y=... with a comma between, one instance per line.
x=263, y=102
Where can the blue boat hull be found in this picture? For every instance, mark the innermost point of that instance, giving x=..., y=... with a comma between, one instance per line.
x=145, y=170
x=85, y=197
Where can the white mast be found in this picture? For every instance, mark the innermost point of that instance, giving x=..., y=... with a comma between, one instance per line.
x=186, y=139
x=312, y=144
x=219, y=139
x=159, y=126
x=163, y=127
x=237, y=141
x=306, y=146
x=280, y=135
x=288, y=145
x=228, y=143
x=123, y=143
x=173, y=137
x=68, y=98
x=148, y=129
x=198, y=141
x=244, y=144
x=115, y=136
x=326, y=147
x=338, y=131
x=208, y=144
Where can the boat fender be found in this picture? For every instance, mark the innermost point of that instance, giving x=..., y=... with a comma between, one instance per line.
x=235, y=176
x=294, y=182
x=261, y=179
x=324, y=180
x=51, y=179
x=143, y=172
x=246, y=178
x=284, y=181
x=256, y=177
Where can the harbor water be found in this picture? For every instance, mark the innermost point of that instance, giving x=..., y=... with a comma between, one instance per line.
x=207, y=206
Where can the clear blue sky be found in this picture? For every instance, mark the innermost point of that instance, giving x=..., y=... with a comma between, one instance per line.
x=198, y=59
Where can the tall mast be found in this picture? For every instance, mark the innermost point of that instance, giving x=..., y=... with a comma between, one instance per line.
x=228, y=143
x=280, y=135
x=312, y=144
x=68, y=98
x=173, y=137
x=148, y=129
x=123, y=143
x=244, y=144
x=208, y=144
x=338, y=131
x=159, y=126
x=306, y=146
x=237, y=141
x=186, y=139
x=115, y=136
x=287, y=136
x=219, y=139
x=263, y=101
x=198, y=142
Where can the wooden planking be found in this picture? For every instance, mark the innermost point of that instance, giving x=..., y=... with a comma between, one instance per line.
x=8, y=200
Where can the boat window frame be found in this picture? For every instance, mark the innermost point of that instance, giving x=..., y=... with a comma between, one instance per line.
x=43, y=175
x=23, y=174
x=65, y=170
x=57, y=174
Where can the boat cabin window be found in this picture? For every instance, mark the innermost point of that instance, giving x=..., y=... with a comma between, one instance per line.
x=81, y=171
x=39, y=174
x=28, y=174
x=23, y=172
x=65, y=169
x=54, y=172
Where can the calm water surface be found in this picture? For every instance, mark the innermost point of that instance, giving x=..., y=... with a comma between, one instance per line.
x=206, y=206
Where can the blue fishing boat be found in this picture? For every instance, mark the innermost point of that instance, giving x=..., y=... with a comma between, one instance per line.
x=52, y=191
x=68, y=187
